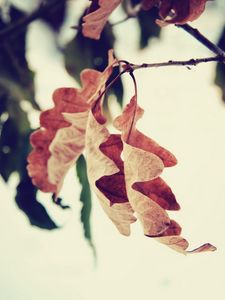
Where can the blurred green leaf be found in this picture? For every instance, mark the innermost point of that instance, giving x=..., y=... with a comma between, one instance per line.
x=82, y=52
x=10, y=143
x=14, y=71
x=35, y=211
x=220, y=68
x=14, y=126
x=55, y=15
x=148, y=28
x=85, y=198
x=146, y=20
x=16, y=84
x=14, y=147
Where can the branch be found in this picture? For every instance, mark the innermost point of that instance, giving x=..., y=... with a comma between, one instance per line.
x=202, y=39
x=130, y=67
x=16, y=27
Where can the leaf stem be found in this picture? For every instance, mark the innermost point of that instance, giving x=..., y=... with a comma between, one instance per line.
x=108, y=86
x=135, y=107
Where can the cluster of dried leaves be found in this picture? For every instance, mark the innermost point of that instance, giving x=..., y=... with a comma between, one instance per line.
x=170, y=12
x=123, y=169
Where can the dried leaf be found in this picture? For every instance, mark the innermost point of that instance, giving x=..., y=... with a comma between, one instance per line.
x=26, y=194
x=179, y=244
x=95, y=21
x=54, y=147
x=148, y=194
x=61, y=138
x=126, y=124
x=123, y=170
x=177, y=11
x=158, y=190
x=171, y=11
x=105, y=172
x=83, y=53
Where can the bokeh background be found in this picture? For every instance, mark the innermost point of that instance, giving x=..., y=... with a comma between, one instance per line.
x=184, y=112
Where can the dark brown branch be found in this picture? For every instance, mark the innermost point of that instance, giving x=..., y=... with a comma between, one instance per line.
x=195, y=33
x=128, y=67
x=25, y=21
x=202, y=39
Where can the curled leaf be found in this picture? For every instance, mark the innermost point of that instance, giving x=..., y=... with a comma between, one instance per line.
x=61, y=138
x=176, y=11
x=141, y=164
x=105, y=172
x=158, y=190
x=54, y=147
x=148, y=194
x=170, y=11
x=95, y=21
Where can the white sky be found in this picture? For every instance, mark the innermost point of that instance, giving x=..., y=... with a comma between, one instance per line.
x=184, y=113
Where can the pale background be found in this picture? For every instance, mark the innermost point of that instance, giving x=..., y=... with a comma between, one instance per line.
x=184, y=113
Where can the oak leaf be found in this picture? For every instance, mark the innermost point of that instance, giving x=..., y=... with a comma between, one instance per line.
x=95, y=21
x=176, y=11
x=123, y=169
x=171, y=12
x=61, y=139
x=148, y=194
x=105, y=171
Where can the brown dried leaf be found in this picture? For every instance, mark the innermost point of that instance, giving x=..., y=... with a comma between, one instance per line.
x=148, y=194
x=179, y=244
x=176, y=11
x=95, y=21
x=105, y=172
x=143, y=161
x=48, y=146
x=126, y=124
x=171, y=12
x=61, y=138
x=158, y=190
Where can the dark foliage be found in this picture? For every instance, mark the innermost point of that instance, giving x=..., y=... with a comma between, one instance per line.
x=220, y=68
x=83, y=53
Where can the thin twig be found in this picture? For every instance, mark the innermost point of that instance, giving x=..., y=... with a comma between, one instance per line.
x=202, y=39
x=128, y=67
x=16, y=27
